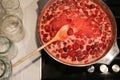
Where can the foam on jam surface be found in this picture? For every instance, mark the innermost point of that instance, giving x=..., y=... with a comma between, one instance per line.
x=89, y=35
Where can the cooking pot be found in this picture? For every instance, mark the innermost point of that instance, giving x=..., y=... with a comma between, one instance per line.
x=111, y=51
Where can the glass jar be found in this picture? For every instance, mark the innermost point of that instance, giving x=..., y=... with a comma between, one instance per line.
x=5, y=69
x=7, y=48
x=12, y=27
x=12, y=7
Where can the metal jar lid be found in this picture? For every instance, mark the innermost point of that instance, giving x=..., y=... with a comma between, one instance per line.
x=91, y=69
x=116, y=68
x=104, y=69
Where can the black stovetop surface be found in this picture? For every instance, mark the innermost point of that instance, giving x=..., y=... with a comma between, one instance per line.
x=53, y=70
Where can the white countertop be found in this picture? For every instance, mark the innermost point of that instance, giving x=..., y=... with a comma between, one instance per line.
x=30, y=69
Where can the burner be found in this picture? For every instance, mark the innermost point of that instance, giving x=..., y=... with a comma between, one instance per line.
x=53, y=70
x=105, y=0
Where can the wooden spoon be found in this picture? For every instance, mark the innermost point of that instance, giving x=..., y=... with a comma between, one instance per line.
x=61, y=35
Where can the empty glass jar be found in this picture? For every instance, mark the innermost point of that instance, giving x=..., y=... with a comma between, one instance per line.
x=7, y=48
x=12, y=7
x=12, y=27
x=5, y=69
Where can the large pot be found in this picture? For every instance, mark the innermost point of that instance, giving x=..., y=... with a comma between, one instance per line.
x=109, y=48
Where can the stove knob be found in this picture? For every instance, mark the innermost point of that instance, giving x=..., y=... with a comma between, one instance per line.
x=91, y=69
x=116, y=68
x=104, y=69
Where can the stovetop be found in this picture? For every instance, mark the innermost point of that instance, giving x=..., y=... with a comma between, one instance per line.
x=53, y=70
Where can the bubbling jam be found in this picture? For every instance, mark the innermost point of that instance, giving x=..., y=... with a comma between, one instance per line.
x=89, y=35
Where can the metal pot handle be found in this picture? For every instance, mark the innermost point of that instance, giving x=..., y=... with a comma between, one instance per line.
x=114, y=51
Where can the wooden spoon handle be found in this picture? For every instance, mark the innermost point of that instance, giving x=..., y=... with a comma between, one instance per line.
x=61, y=34
x=32, y=53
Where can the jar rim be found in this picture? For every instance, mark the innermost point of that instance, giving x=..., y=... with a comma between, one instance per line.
x=10, y=23
x=9, y=8
x=10, y=44
x=5, y=67
x=13, y=17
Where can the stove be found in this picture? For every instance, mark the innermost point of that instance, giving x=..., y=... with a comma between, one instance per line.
x=53, y=70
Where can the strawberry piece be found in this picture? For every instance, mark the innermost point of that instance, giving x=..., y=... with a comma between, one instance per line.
x=52, y=34
x=64, y=55
x=55, y=42
x=75, y=46
x=78, y=54
x=60, y=50
x=47, y=28
x=100, y=45
x=45, y=35
x=59, y=21
x=65, y=43
x=104, y=46
x=54, y=28
x=86, y=61
x=49, y=17
x=71, y=53
x=91, y=52
x=103, y=38
x=70, y=31
x=80, y=58
x=57, y=55
x=85, y=52
x=73, y=59
x=97, y=55
x=93, y=46
x=81, y=42
x=45, y=39
x=65, y=49
x=90, y=41
x=69, y=20
x=88, y=47
x=69, y=47
x=81, y=47
x=42, y=32
x=61, y=7
x=77, y=35
x=91, y=6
